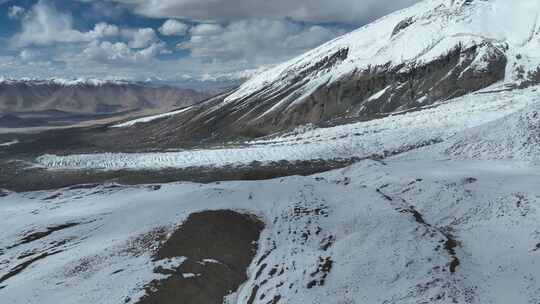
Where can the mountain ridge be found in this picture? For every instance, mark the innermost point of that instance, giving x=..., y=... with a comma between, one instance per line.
x=91, y=96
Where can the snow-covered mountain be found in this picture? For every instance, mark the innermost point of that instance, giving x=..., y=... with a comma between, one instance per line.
x=439, y=125
x=432, y=51
x=90, y=95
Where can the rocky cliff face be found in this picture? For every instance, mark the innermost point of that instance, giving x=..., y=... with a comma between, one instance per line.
x=381, y=90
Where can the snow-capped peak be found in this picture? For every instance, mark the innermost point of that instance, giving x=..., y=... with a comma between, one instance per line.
x=64, y=81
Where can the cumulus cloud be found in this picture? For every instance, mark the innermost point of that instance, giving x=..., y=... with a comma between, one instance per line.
x=140, y=38
x=120, y=52
x=206, y=29
x=348, y=11
x=102, y=30
x=45, y=25
x=16, y=12
x=49, y=44
x=219, y=37
x=173, y=27
x=257, y=41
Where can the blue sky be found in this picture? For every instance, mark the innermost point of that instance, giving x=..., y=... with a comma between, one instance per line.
x=169, y=39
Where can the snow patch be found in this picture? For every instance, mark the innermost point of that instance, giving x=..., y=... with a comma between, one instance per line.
x=150, y=118
x=9, y=143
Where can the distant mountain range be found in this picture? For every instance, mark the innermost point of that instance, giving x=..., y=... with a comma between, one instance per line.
x=91, y=96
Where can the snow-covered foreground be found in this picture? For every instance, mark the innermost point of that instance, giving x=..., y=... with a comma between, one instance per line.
x=396, y=133
x=392, y=232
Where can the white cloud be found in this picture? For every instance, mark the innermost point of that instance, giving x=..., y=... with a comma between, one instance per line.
x=107, y=51
x=102, y=30
x=173, y=27
x=311, y=37
x=27, y=55
x=120, y=52
x=16, y=12
x=45, y=26
x=206, y=29
x=235, y=35
x=349, y=11
x=140, y=38
x=255, y=42
x=49, y=45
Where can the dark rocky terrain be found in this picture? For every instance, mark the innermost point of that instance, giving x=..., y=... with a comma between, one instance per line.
x=218, y=247
x=17, y=176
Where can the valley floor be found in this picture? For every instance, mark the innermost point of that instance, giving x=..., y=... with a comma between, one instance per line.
x=446, y=123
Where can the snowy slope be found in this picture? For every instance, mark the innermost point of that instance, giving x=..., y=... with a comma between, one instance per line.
x=393, y=232
x=516, y=136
